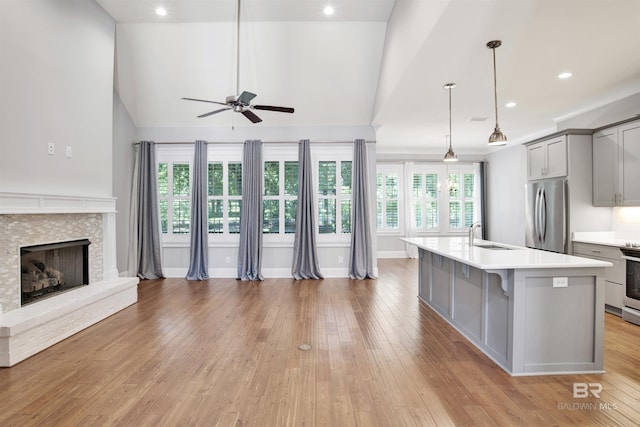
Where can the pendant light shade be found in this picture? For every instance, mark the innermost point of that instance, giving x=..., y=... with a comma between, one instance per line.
x=497, y=137
x=450, y=156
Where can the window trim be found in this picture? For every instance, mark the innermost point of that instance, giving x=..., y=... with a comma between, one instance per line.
x=282, y=153
x=337, y=152
x=170, y=155
x=463, y=169
x=225, y=154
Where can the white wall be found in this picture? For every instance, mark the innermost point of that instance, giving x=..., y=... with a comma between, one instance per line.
x=622, y=109
x=506, y=178
x=56, y=85
x=264, y=133
x=409, y=25
x=124, y=132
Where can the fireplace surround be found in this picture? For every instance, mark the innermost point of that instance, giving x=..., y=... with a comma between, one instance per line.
x=28, y=220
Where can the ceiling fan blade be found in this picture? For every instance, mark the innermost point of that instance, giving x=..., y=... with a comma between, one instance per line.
x=251, y=116
x=213, y=112
x=274, y=108
x=246, y=97
x=204, y=100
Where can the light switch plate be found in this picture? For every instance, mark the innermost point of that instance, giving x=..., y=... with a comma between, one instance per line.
x=51, y=149
x=560, y=282
x=69, y=152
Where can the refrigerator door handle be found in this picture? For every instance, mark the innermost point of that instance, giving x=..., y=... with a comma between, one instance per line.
x=535, y=216
x=543, y=210
x=539, y=223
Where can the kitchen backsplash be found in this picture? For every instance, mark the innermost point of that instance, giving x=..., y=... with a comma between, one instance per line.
x=626, y=223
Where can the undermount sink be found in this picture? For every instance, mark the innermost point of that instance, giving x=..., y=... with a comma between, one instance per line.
x=493, y=247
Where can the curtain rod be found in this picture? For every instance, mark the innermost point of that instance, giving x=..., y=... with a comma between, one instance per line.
x=242, y=142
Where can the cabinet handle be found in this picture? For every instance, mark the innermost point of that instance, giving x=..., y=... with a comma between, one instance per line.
x=595, y=251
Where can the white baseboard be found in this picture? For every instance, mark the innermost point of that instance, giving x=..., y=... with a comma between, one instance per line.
x=392, y=254
x=232, y=273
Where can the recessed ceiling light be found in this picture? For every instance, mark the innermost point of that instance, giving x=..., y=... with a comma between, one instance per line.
x=510, y=104
x=328, y=10
x=161, y=11
x=565, y=75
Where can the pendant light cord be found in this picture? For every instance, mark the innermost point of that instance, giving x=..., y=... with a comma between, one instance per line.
x=450, y=138
x=495, y=85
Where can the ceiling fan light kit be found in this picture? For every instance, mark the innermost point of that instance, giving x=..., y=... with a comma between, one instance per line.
x=241, y=102
x=497, y=137
x=450, y=156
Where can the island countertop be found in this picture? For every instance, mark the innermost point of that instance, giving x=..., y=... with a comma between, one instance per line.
x=515, y=257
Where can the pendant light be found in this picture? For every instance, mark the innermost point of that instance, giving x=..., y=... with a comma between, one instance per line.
x=450, y=156
x=497, y=137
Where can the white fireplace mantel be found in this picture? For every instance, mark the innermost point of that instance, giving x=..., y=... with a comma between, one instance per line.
x=26, y=330
x=23, y=203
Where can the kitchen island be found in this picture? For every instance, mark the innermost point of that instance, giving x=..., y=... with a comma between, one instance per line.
x=532, y=312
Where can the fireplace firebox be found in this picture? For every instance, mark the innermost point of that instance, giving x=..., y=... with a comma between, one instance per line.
x=50, y=268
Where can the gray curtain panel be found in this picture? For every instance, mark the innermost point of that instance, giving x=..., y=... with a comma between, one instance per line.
x=250, y=251
x=305, y=252
x=147, y=231
x=199, y=249
x=361, y=254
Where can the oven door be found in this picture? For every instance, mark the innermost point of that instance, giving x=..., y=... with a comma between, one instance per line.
x=633, y=281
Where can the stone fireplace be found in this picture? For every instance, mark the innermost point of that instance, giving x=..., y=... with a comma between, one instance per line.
x=35, y=230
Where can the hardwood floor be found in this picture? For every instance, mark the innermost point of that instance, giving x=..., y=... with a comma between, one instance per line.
x=225, y=353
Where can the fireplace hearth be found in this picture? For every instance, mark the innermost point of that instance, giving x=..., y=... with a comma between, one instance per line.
x=51, y=268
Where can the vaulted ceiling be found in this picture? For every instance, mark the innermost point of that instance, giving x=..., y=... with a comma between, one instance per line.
x=378, y=62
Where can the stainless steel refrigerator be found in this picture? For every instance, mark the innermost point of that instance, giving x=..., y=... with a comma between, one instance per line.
x=546, y=215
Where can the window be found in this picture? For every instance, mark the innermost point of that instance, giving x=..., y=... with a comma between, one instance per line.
x=280, y=192
x=174, y=196
x=439, y=198
x=332, y=171
x=334, y=196
x=224, y=191
x=463, y=200
x=388, y=196
x=280, y=198
x=224, y=197
x=425, y=202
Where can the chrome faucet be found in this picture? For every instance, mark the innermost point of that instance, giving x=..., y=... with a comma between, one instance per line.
x=472, y=231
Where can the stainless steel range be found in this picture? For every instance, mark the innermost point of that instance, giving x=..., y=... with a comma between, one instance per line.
x=631, y=308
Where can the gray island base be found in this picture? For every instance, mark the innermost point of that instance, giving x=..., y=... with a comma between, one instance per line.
x=532, y=312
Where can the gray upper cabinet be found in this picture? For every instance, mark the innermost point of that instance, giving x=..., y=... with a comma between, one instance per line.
x=547, y=159
x=616, y=166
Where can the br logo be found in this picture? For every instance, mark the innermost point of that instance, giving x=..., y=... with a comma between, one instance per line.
x=584, y=390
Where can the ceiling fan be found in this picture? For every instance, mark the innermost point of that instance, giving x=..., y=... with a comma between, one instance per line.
x=241, y=103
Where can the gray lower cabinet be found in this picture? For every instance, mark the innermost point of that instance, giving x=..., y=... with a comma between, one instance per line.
x=614, y=277
x=519, y=317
